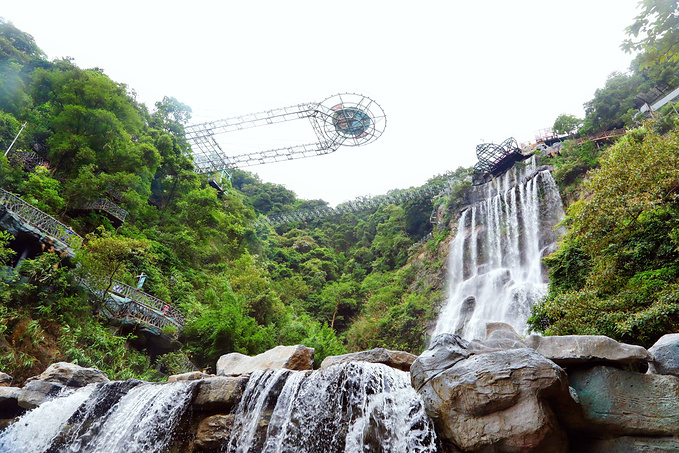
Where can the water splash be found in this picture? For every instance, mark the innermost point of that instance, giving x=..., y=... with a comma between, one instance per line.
x=117, y=417
x=352, y=408
x=495, y=260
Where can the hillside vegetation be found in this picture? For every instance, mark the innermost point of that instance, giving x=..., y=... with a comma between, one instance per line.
x=343, y=283
x=336, y=284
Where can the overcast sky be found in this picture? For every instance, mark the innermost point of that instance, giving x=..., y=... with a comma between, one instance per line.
x=448, y=74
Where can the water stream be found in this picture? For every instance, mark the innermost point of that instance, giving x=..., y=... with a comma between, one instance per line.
x=353, y=408
x=117, y=417
x=495, y=261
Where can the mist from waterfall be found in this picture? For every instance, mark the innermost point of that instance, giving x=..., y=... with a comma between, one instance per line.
x=495, y=271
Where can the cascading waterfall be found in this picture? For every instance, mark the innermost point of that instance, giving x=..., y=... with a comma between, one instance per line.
x=495, y=260
x=117, y=417
x=353, y=408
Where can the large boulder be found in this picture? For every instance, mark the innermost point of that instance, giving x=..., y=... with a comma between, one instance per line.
x=298, y=358
x=396, y=359
x=9, y=402
x=220, y=393
x=70, y=375
x=494, y=401
x=34, y=393
x=213, y=432
x=665, y=355
x=499, y=336
x=623, y=403
x=569, y=350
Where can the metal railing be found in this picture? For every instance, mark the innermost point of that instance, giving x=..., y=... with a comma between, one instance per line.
x=43, y=222
x=142, y=306
x=107, y=206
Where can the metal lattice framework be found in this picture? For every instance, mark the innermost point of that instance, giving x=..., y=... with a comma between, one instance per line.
x=495, y=159
x=137, y=304
x=356, y=205
x=344, y=119
x=28, y=159
x=102, y=204
x=38, y=219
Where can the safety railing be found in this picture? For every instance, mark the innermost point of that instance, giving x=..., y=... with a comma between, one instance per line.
x=105, y=205
x=144, y=307
x=43, y=222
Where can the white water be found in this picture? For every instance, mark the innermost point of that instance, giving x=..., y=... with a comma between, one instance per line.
x=37, y=428
x=120, y=417
x=495, y=261
x=352, y=408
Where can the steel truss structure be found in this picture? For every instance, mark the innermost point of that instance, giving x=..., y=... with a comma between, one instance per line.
x=494, y=160
x=356, y=205
x=341, y=120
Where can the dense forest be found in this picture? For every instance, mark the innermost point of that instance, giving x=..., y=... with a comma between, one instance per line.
x=343, y=283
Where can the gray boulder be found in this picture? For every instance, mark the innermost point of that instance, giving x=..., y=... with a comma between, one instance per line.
x=70, y=375
x=495, y=401
x=9, y=402
x=220, y=393
x=396, y=359
x=298, y=358
x=623, y=403
x=34, y=393
x=587, y=349
x=665, y=355
x=445, y=351
x=499, y=337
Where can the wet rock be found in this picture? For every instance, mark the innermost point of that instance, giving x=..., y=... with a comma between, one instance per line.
x=219, y=393
x=34, y=393
x=213, y=433
x=623, y=403
x=665, y=355
x=444, y=352
x=494, y=401
x=499, y=337
x=587, y=349
x=9, y=402
x=281, y=357
x=630, y=445
x=190, y=376
x=466, y=312
x=71, y=375
x=396, y=359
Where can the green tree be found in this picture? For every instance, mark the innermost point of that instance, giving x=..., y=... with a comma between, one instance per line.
x=566, y=124
x=655, y=32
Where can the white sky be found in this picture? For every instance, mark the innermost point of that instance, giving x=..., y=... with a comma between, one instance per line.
x=448, y=74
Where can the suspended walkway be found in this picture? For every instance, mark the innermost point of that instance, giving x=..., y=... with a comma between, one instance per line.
x=134, y=303
x=131, y=302
x=112, y=210
x=33, y=216
x=359, y=204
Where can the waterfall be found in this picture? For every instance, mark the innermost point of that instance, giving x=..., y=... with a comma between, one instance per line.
x=352, y=408
x=495, y=260
x=117, y=417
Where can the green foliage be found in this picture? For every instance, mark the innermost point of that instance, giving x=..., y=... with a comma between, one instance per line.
x=655, y=32
x=566, y=124
x=617, y=271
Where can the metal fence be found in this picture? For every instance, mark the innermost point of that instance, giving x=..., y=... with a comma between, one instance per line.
x=43, y=222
